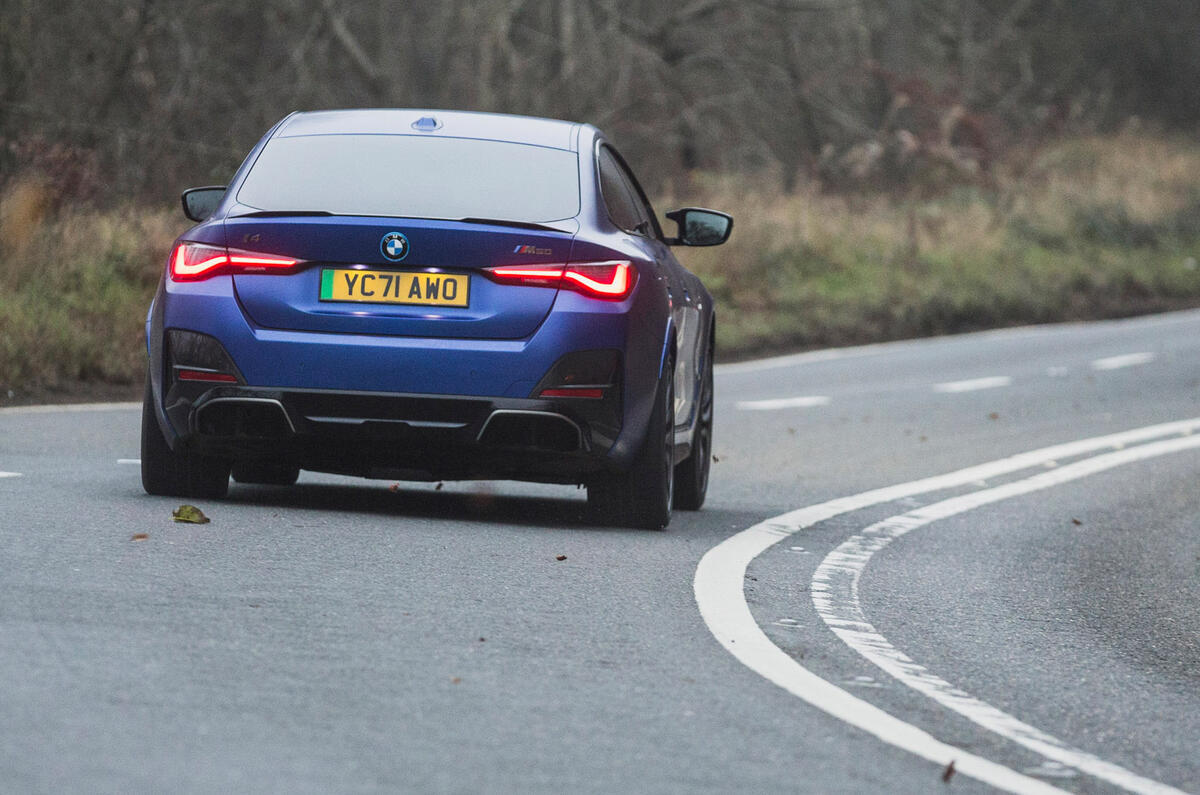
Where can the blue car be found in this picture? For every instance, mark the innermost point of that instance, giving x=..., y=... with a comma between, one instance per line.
x=434, y=295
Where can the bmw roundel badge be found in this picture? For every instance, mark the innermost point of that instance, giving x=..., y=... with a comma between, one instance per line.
x=394, y=246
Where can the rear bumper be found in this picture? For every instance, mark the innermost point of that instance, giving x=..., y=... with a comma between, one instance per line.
x=393, y=371
x=393, y=435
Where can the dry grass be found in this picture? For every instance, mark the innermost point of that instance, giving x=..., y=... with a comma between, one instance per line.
x=74, y=289
x=1084, y=228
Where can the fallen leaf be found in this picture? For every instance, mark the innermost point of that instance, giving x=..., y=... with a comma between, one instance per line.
x=923, y=439
x=455, y=680
x=715, y=459
x=481, y=640
x=561, y=557
x=994, y=416
x=438, y=487
x=394, y=487
x=948, y=773
x=190, y=514
x=140, y=537
x=792, y=431
x=1076, y=522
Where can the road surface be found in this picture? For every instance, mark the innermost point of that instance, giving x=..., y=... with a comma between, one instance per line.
x=1032, y=616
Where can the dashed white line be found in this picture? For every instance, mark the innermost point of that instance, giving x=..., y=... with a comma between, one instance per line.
x=806, y=401
x=10, y=474
x=1124, y=360
x=137, y=461
x=835, y=588
x=973, y=384
x=720, y=596
x=69, y=407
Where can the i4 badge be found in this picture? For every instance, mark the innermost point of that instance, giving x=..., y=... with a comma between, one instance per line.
x=394, y=246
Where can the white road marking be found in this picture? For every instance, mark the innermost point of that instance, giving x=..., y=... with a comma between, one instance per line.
x=137, y=461
x=973, y=384
x=835, y=587
x=71, y=407
x=1125, y=360
x=806, y=401
x=721, y=574
x=10, y=474
x=1058, y=372
x=807, y=357
x=1186, y=316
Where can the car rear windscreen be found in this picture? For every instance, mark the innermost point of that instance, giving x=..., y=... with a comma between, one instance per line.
x=414, y=177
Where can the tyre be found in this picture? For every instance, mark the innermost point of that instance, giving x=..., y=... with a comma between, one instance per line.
x=171, y=473
x=691, y=475
x=270, y=473
x=642, y=496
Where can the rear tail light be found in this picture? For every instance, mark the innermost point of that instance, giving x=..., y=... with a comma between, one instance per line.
x=613, y=279
x=601, y=279
x=193, y=262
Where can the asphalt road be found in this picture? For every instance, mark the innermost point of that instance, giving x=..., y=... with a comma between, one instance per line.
x=342, y=636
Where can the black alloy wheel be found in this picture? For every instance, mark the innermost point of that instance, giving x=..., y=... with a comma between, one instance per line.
x=642, y=497
x=176, y=473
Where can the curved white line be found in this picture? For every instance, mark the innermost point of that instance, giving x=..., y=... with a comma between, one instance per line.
x=720, y=576
x=835, y=596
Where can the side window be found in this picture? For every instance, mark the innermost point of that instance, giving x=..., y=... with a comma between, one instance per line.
x=619, y=198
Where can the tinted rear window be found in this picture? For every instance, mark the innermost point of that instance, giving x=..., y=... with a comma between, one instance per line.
x=414, y=177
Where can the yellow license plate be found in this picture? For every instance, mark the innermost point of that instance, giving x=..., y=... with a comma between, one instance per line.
x=390, y=287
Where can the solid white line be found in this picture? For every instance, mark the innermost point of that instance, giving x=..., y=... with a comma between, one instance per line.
x=721, y=574
x=70, y=407
x=1125, y=360
x=129, y=461
x=783, y=403
x=835, y=587
x=973, y=384
x=10, y=474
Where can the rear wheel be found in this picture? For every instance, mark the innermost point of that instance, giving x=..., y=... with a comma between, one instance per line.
x=172, y=473
x=269, y=473
x=691, y=476
x=642, y=496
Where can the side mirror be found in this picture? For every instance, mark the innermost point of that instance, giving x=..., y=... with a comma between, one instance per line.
x=200, y=203
x=700, y=227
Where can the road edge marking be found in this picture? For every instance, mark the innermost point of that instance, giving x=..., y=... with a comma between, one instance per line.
x=719, y=582
x=834, y=590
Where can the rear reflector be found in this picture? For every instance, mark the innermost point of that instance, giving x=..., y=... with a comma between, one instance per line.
x=200, y=375
x=613, y=279
x=594, y=393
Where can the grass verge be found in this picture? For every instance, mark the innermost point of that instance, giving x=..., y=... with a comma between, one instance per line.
x=1085, y=228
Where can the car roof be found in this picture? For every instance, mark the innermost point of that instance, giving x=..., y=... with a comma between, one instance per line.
x=446, y=123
